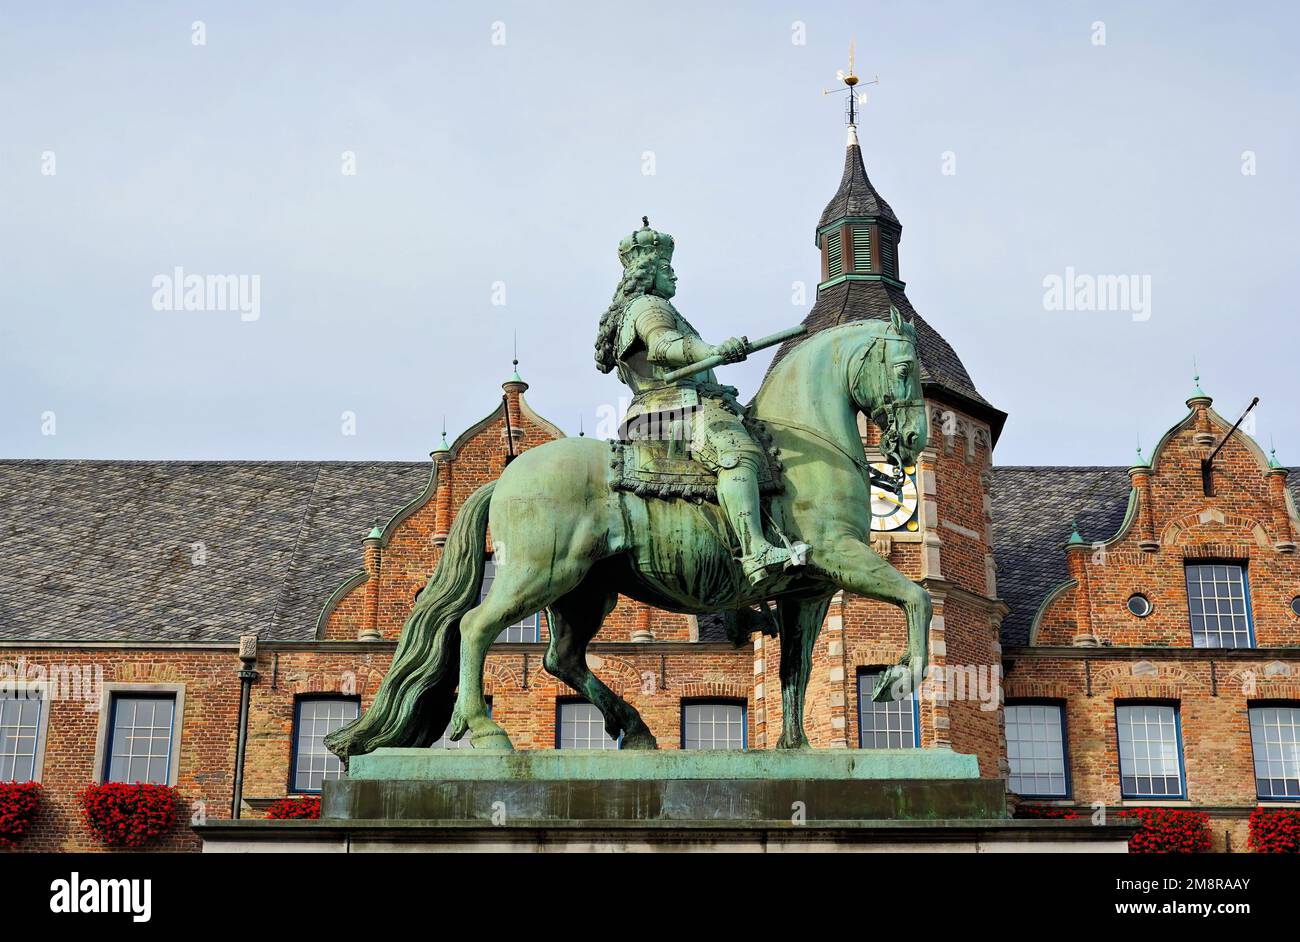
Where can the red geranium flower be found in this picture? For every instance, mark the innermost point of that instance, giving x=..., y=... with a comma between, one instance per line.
x=307, y=806
x=1273, y=831
x=123, y=815
x=19, y=802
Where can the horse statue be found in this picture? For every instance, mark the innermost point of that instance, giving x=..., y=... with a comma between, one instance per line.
x=569, y=541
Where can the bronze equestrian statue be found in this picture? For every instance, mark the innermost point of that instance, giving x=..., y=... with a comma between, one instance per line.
x=673, y=520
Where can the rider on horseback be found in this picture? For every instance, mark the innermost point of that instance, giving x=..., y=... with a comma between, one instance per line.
x=646, y=339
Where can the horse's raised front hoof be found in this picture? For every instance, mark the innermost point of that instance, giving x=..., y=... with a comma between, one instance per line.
x=639, y=740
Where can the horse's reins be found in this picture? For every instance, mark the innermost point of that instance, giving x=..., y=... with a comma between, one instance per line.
x=890, y=407
x=862, y=463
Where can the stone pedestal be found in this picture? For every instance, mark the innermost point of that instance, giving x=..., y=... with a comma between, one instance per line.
x=548, y=800
x=543, y=788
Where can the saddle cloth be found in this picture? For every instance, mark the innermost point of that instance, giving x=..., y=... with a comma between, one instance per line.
x=666, y=468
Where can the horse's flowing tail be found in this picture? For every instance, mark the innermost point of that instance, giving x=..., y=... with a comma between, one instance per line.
x=415, y=701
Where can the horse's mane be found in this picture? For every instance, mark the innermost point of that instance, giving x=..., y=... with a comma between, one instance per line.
x=813, y=343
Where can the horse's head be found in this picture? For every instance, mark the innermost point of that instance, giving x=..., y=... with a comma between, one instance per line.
x=886, y=385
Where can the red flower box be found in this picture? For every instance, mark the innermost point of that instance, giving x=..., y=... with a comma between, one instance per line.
x=1169, y=831
x=1162, y=831
x=1053, y=812
x=19, y=802
x=290, y=808
x=1273, y=831
x=123, y=815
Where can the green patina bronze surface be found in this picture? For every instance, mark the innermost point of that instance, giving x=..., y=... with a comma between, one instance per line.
x=685, y=786
x=567, y=540
x=682, y=764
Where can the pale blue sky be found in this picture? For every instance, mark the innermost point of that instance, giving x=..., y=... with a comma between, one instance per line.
x=522, y=163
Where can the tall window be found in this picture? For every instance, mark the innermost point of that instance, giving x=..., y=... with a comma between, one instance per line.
x=140, y=737
x=317, y=718
x=581, y=726
x=890, y=725
x=443, y=742
x=713, y=726
x=526, y=629
x=20, y=727
x=1036, y=750
x=1275, y=742
x=1218, y=600
x=1150, y=751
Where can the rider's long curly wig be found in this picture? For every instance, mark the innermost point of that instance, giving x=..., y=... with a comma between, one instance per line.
x=637, y=280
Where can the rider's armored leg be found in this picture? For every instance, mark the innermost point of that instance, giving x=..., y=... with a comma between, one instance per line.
x=738, y=495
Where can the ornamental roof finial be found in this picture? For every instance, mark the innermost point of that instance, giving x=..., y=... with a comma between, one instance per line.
x=1075, y=537
x=855, y=98
x=443, y=446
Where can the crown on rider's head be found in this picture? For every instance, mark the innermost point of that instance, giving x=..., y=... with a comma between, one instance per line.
x=645, y=241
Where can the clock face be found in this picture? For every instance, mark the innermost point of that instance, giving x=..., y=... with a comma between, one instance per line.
x=890, y=511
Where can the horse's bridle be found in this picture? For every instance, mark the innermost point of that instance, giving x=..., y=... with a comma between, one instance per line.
x=887, y=415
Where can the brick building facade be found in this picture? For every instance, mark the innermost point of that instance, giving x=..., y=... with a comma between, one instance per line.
x=128, y=586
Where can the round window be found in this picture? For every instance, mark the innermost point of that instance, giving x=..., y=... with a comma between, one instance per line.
x=1139, y=605
x=1295, y=605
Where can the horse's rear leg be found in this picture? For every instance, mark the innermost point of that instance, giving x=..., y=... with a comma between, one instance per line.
x=574, y=619
x=519, y=590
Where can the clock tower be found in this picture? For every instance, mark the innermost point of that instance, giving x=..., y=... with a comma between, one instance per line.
x=935, y=529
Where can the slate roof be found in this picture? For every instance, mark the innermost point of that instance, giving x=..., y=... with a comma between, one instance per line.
x=101, y=550
x=1033, y=513
x=870, y=300
x=855, y=196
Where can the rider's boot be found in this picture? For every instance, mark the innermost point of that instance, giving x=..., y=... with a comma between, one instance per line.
x=738, y=494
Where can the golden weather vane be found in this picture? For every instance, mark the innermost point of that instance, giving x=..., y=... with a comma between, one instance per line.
x=851, y=81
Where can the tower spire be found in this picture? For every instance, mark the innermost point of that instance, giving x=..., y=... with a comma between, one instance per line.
x=856, y=199
x=858, y=237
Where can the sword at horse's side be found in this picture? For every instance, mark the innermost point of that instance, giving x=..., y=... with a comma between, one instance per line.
x=762, y=343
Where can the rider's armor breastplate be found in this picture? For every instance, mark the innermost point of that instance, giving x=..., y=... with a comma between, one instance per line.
x=654, y=400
